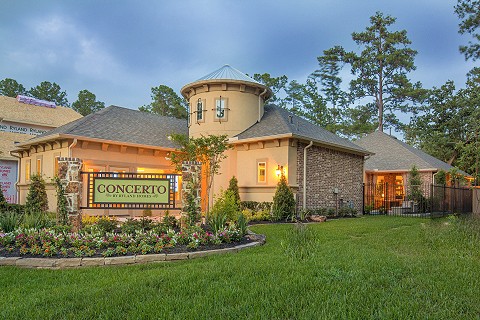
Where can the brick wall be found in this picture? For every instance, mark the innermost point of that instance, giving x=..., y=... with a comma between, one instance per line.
x=328, y=169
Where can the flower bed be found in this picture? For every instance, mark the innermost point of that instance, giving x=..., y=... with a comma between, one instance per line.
x=93, y=242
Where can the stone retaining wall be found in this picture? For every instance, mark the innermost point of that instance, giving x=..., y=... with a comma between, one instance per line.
x=61, y=263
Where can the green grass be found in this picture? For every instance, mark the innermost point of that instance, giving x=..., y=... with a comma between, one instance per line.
x=366, y=268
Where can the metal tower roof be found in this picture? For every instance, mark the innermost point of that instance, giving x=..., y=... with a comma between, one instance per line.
x=227, y=73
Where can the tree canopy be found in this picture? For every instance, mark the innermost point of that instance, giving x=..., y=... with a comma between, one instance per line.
x=166, y=103
x=469, y=13
x=11, y=88
x=87, y=103
x=50, y=92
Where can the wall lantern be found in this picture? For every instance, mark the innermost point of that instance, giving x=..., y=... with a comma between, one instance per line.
x=279, y=170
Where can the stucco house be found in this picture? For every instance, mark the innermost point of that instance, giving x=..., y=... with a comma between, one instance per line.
x=323, y=169
x=23, y=118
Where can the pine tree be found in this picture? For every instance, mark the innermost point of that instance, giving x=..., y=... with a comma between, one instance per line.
x=37, y=201
x=283, y=200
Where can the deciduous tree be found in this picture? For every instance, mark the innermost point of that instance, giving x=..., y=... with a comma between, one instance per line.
x=209, y=150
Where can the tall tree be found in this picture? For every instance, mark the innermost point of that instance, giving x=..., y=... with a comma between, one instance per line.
x=87, y=103
x=307, y=102
x=327, y=75
x=381, y=69
x=11, y=88
x=276, y=84
x=469, y=13
x=166, y=103
x=448, y=126
x=50, y=92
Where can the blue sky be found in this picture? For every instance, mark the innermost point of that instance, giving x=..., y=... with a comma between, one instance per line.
x=120, y=49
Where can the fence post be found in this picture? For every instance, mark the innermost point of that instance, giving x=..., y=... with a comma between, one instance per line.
x=363, y=198
x=431, y=200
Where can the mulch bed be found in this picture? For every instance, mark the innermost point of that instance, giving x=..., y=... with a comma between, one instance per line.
x=176, y=249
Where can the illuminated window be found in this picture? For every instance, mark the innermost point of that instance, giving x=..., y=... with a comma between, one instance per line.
x=199, y=110
x=221, y=109
x=56, y=164
x=39, y=166
x=27, y=169
x=261, y=172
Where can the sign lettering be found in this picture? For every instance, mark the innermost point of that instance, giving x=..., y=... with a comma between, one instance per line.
x=141, y=191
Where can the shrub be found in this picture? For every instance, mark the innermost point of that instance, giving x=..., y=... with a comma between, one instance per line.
x=233, y=188
x=9, y=221
x=37, y=200
x=169, y=222
x=3, y=201
x=62, y=214
x=283, y=201
x=191, y=210
x=227, y=205
x=106, y=224
x=255, y=206
x=36, y=221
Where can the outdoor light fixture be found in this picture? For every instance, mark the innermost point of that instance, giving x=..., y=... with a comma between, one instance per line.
x=279, y=170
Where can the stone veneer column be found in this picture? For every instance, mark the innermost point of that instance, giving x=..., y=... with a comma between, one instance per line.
x=71, y=181
x=191, y=182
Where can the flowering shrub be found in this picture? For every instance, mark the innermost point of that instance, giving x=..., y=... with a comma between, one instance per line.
x=51, y=242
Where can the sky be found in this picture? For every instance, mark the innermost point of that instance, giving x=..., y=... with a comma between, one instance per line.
x=120, y=49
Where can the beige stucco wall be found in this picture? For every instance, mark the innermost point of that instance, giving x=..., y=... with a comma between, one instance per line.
x=47, y=153
x=247, y=156
x=242, y=101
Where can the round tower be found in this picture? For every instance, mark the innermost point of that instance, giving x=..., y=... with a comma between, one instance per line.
x=225, y=101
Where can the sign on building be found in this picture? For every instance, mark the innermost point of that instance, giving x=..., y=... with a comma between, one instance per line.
x=139, y=191
x=8, y=177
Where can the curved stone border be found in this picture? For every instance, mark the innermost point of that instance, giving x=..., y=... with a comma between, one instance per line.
x=61, y=263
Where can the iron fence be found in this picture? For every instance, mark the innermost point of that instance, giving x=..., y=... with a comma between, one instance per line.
x=426, y=200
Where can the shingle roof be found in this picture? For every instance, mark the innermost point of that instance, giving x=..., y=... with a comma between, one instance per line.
x=123, y=125
x=7, y=143
x=227, y=73
x=393, y=154
x=14, y=111
x=279, y=121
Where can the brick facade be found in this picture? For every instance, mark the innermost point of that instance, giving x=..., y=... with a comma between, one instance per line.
x=327, y=170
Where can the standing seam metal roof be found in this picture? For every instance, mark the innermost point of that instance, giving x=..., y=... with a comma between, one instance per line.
x=227, y=73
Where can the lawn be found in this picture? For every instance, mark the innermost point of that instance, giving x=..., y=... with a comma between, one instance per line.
x=365, y=268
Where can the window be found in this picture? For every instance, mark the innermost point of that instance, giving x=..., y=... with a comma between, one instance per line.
x=221, y=109
x=261, y=172
x=39, y=166
x=27, y=169
x=199, y=110
x=56, y=164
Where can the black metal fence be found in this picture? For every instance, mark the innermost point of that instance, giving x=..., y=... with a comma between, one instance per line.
x=426, y=200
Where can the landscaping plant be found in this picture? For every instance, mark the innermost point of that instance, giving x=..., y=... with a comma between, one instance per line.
x=37, y=200
x=233, y=188
x=283, y=201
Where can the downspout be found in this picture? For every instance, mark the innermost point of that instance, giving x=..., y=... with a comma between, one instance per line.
x=305, y=175
x=19, y=175
x=260, y=104
x=74, y=143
